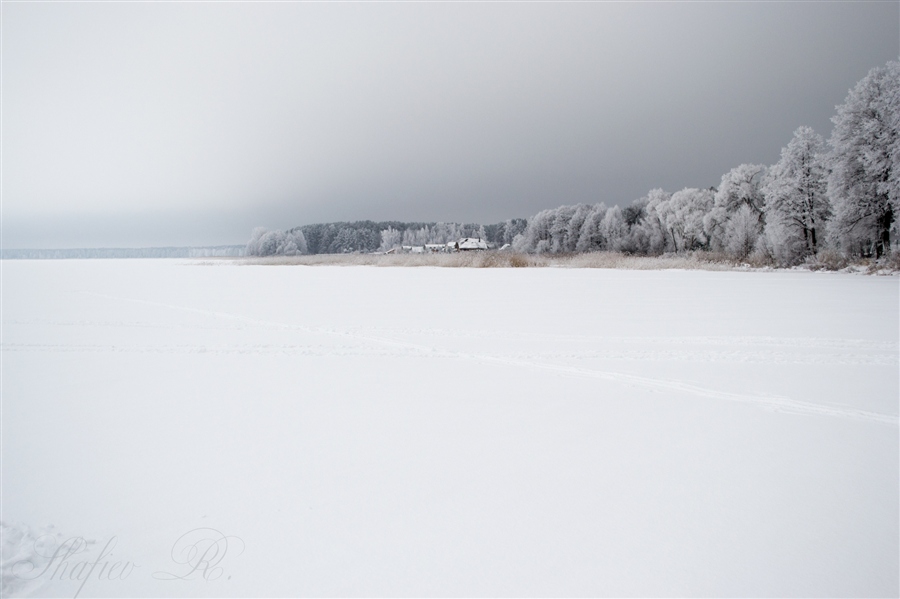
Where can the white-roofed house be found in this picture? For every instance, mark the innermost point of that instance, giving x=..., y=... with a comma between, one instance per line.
x=470, y=243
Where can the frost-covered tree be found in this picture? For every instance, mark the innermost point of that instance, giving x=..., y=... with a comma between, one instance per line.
x=267, y=243
x=272, y=243
x=446, y=232
x=670, y=222
x=634, y=216
x=742, y=232
x=653, y=230
x=390, y=238
x=563, y=229
x=576, y=223
x=417, y=237
x=559, y=229
x=590, y=238
x=864, y=183
x=796, y=202
x=714, y=223
x=347, y=240
x=614, y=230
x=537, y=236
x=299, y=241
x=253, y=244
x=740, y=187
x=510, y=229
x=686, y=209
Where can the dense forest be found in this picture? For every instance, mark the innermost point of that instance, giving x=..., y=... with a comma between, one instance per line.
x=842, y=195
x=369, y=236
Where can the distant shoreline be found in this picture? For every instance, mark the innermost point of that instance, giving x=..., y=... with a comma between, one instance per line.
x=698, y=260
x=223, y=251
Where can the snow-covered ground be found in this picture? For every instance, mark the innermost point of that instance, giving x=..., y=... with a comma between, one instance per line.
x=438, y=431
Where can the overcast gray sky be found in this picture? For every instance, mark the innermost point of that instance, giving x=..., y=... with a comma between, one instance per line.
x=140, y=124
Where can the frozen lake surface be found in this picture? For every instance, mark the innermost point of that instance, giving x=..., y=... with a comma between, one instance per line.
x=425, y=431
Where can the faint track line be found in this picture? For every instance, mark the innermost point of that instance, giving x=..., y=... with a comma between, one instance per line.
x=778, y=404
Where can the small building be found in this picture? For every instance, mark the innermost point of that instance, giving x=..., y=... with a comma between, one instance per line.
x=471, y=243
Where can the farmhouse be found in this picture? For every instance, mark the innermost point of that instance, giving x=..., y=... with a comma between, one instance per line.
x=469, y=243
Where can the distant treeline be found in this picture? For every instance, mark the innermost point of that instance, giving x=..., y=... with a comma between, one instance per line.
x=90, y=253
x=369, y=236
x=842, y=196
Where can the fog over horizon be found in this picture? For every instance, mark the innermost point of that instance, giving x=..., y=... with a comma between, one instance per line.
x=134, y=125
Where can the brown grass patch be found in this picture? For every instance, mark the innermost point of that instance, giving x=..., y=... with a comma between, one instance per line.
x=826, y=260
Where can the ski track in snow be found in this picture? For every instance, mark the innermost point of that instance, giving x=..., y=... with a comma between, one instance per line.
x=749, y=341
x=777, y=404
x=697, y=356
x=320, y=350
x=753, y=341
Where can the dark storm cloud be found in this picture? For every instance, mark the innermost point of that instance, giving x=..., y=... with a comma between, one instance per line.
x=151, y=124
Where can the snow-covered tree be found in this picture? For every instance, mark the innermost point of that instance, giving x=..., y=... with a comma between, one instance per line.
x=686, y=209
x=511, y=228
x=390, y=238
x=559, y=229
x=417, y=237
x=300, y=241
x=740, y=187
x=272, y=243
x=614, y=229
x=576, y=223
x=796, y=202
x=864, y=183
x=253, y=244
x=536, y=237
x=590, y=238
x=714, y=223
x=653, y=230
x=742, y=232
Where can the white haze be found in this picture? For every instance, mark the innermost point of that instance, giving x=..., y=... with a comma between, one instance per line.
x=178, y=124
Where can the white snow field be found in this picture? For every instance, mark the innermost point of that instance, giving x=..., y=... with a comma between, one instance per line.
x=441, y=431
